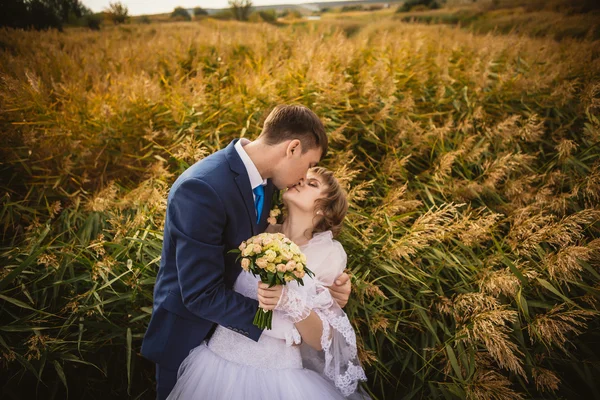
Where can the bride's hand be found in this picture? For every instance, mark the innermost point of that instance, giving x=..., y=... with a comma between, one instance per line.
x=268, y=297
x=340, y=290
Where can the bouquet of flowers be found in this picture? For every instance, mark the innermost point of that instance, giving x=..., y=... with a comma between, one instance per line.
x=276, y=260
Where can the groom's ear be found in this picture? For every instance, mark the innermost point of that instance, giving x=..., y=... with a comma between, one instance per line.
x=294, y=148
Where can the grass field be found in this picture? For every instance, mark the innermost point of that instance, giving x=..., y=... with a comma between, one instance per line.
x=472, y=164
x=556, y=19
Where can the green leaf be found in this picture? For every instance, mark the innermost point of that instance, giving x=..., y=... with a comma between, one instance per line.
x=272, y=279
x=428, y=323
x=129, y=351
x=454, y=362
x=506, y=261
x=72, y=358
x=61, y=375
x=15, y=272
x=16, y=302
x=522, y=303
x=551, y=288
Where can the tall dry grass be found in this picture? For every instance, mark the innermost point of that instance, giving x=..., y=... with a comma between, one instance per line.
x=471, y=162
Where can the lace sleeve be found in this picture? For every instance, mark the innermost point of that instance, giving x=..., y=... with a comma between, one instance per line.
x=338, y=361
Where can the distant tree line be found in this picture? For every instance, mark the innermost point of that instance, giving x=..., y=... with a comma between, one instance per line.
x=416, y=5
x=46, y=14
x=181, y=13
x=359, y=7
x=240, y=9
x=118, y=12
x=40, y=14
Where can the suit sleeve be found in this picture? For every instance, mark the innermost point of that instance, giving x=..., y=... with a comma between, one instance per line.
x=198, y=222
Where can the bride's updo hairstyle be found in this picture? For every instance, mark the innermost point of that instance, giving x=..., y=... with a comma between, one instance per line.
x=333, y=206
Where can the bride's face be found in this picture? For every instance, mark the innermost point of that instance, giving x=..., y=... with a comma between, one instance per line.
x=303, y=195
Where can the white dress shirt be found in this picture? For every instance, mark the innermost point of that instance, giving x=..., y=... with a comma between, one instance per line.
x=255, y=178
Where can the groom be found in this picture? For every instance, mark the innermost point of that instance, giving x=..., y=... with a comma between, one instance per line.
x=213, y=206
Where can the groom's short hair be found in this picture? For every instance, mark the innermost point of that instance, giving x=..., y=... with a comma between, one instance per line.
x=295, y=121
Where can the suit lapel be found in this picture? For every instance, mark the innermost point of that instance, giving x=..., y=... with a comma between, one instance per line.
x=243, y=183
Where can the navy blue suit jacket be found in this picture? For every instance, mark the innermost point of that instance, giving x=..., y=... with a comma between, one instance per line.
x=210, y=211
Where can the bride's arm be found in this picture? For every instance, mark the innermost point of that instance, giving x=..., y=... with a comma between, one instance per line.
x=300, y=302
x=300, y=305
x=311, y=330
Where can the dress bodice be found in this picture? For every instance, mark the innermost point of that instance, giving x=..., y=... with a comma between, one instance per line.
x=268, y=352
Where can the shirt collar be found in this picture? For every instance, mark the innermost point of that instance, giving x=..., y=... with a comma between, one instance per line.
x=255, y=178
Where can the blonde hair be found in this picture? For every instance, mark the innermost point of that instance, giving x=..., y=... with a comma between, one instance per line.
x=333, y=205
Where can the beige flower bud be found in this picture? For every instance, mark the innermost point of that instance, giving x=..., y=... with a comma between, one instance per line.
x=291, y=265
x=245, y=264
x=262, y=262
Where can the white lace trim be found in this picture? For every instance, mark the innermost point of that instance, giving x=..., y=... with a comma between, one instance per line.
x=338, y=361
x=349, y=372
x=293, y=304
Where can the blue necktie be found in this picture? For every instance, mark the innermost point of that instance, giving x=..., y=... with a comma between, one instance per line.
x=259, y=192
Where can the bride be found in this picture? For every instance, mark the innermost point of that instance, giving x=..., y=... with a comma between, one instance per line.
x=311, y=351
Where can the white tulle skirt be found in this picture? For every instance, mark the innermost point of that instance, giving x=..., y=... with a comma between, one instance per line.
x=205, y=374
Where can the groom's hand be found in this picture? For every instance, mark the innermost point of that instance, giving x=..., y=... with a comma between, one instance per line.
x=268, y=297
x=340, y=290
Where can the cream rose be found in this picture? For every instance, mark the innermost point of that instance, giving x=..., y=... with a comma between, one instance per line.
x=246, y=264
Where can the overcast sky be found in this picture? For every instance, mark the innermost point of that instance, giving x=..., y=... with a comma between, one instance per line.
x=139, y=7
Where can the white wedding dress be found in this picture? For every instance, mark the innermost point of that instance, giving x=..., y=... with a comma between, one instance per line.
x=232, y=366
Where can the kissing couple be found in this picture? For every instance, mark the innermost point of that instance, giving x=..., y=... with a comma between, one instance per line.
x=201, y=334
